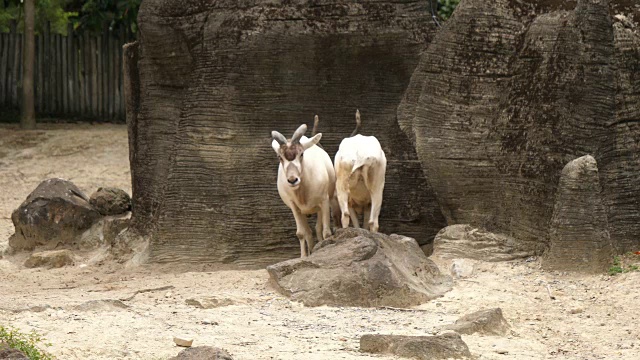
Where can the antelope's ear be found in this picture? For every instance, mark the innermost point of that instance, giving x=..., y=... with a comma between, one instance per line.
x=276, y=146
x=307, y=143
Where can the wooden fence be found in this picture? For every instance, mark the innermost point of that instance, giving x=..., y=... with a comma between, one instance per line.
x=75, y=75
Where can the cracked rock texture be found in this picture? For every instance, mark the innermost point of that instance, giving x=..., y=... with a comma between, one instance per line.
x=209, y=81
x=358, y=268
x=509, y=92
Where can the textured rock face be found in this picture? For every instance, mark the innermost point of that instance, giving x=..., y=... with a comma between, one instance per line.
x=579, y=239
x=441, y=347
x=359, y=268
x=465, y=241
x=110, y=201
x=7, y=353
x=213, y=78
x=485, y=322
x=511, y=91
x=55, y=213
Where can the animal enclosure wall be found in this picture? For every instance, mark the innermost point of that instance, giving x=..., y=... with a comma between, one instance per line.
x=74, y=75
x=213, y=78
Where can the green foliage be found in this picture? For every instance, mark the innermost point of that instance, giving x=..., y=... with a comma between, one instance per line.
x=445, y=10
x=46, y=11
x=27, y=343
x=621, y=264
x=112, y=13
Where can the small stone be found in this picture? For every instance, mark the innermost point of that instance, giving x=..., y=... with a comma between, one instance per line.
x=202, y=353
x=110, y=201
x=50, y=259
x=183, y=341
x=168, y=295
x=576, y=311
x=502, y=351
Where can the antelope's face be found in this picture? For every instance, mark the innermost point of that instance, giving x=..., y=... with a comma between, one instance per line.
x=291, y=153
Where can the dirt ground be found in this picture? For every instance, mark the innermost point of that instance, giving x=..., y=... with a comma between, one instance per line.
x=592, y=317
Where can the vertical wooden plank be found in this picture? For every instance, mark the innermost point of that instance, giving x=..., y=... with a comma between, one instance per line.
x=100, y=54
x=36, y=73
x=40, y=86
x=94, y=76
x=46, y=69
x=9, y=70
x=74, y=72
x=60, y=73
x=121, y=71
x=3, y=65
x=14, y=63
x=63, y=74
x=81, y=74
x=111, y=73
x=17, y=75
x=116, y=75
x=69, y=77
x=88, y=76
x=54, y=73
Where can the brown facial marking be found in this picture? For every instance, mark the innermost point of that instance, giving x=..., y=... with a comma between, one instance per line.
x=290, y=152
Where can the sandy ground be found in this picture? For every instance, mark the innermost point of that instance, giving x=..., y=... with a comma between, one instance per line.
x=592, y=317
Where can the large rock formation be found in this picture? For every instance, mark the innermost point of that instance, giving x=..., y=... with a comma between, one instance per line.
x=208, y=82
x=578, y=238
x=511, y=91
x=359, y=268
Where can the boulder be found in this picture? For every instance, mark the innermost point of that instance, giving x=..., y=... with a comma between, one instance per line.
x=203, y=353
x=445, y=346
x=110, y=201
x=7, y=353
x=509, y=92
x=55, y=213
x=191, y=127
x=358, y=268
x=579, y=238
x=50, y=259
x=466, y=241
x=485, y=322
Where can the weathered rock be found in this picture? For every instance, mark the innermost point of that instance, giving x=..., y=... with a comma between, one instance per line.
x=104, y=232
x=465, y=241
x=192, y=126
x=462, y=268
x=212, y=302
x=486, y=322
x=446, y=346
x=578, y=239
x=359, y=268
x=183, y=341
x=7, y=353
x=110, y=201
x=55, y=213
x=203, y=353
x=50, y=259
x=508, y=93
x=101, y=305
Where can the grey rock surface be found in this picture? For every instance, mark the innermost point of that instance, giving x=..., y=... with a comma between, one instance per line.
x=439, y=347
x=359, y=268
x=55, y=213
x=579, y=238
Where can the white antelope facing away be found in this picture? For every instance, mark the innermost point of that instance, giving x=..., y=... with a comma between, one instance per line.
x=360, y=166
x=306, y=183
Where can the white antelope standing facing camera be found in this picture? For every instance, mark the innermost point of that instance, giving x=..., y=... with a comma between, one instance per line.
x=360, y=166
x=306, y=183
